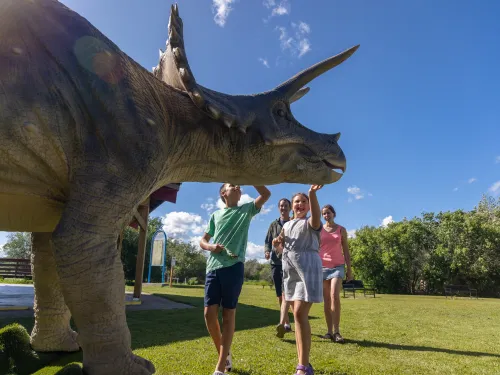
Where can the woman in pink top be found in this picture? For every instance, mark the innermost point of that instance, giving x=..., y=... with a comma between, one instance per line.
x=334, y=253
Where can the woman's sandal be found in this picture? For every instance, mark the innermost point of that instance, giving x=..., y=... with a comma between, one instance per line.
x=308, y=370
x=337, y=337
x=327, y=336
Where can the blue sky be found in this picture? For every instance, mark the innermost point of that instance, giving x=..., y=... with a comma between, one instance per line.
x=417, y=104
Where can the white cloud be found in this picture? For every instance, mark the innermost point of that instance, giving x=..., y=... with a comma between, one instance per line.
x=221, y=8
x=254, y=251
x=386, y=221
x=183, y=225
x=304, y=47
x=304, y=28
x=208, y=206
x=471, y=180
x=264, y=62
x=245, y=198
x=351, y=233
x=298, y=44
x=497, y=159
x=495, y=188
x=266, y=209
x=278, y=9
x=455, y=189
x=356, y=193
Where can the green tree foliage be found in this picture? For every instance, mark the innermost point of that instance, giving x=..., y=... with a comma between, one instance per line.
x=190, y=262
x=423, y=254
x=18, y=245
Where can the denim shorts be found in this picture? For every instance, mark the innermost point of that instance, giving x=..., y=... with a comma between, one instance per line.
x=336, y=272
x=223, y=286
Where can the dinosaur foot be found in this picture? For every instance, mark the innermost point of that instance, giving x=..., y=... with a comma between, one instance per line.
x=131, y=365
x=55, y=341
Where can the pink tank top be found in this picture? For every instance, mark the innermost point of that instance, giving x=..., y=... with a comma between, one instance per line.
x=330, y=249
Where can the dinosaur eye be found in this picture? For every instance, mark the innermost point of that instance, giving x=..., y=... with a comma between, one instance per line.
x=281, y=113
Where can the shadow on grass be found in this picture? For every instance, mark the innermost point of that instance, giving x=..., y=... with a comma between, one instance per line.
x=150, y=328
x=240, y=372
x=161, y=327
x=376, y=344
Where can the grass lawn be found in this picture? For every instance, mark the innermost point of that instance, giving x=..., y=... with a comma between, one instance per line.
x=390, y=334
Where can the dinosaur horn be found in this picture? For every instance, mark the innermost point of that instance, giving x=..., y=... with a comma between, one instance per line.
x=299, y=94
x=291, y=87
x=176, y=72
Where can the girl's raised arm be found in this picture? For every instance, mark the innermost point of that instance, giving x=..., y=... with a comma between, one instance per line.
x=315, y=219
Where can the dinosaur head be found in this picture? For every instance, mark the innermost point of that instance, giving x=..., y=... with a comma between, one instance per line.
x=256, y=136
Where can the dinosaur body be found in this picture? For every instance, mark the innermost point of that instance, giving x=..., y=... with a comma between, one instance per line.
x=86, y=134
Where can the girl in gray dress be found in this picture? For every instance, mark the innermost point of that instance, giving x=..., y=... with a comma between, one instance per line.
x=302, y=270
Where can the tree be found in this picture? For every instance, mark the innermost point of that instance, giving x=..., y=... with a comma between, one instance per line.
x=252, y=269
x=456, y=247
x=265, y=274
x=130, y=246
x=190, y=262
x=18, y=245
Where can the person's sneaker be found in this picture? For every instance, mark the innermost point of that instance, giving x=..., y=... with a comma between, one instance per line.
x=288, y=328
x=280, y=331
x=218, y=373
x=229, y=362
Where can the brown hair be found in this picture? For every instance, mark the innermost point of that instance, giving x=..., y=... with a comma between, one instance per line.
x=222, y=188
x=330, y=207
x=286, y=200
x=303, y=194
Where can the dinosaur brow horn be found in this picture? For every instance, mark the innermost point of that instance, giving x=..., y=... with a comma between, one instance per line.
x=290, y=87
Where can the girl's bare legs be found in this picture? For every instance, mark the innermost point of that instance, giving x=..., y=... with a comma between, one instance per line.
x=335, y=304
x=327, y=305
x=302, y=332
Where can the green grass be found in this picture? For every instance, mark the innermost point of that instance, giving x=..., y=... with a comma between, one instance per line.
x=16, y=281
x=390, y=334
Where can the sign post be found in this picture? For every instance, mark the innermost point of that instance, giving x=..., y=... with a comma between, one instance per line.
x=158, y=253
x=172, y=270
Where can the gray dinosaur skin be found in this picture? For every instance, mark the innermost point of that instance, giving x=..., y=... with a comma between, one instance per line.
x=86, y=134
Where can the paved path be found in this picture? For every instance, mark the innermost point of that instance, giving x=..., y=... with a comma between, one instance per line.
x=17, y=300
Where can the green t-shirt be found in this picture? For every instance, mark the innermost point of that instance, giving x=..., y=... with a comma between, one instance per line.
x=229, y=227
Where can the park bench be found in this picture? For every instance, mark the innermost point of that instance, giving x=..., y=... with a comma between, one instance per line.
x=15, y=268
x=354, y=285
x=456, y=290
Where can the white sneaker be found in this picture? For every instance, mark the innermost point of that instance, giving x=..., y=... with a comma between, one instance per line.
x=218, y=373
x=229, y=362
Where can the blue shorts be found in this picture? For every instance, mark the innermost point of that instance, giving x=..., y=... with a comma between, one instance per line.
x=223, y=286
x=335, y=272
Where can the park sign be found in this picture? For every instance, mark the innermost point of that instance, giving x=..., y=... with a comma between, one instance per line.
x=158, y=254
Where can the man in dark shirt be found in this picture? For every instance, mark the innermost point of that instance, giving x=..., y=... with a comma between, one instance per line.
x=274, y=230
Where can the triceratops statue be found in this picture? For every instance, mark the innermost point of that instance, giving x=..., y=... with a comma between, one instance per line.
x=86, y=134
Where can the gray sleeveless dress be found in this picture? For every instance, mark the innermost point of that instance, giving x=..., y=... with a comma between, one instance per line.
x=302, y=270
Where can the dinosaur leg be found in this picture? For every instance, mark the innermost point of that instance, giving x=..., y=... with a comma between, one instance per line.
x=93, y=284
x=52, y=331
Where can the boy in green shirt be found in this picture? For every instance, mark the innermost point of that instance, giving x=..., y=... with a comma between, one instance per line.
x=224, y=280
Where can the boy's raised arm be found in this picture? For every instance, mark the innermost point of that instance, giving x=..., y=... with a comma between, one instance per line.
x=263, y=197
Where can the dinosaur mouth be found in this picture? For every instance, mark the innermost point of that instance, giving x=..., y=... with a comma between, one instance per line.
x=335, y=168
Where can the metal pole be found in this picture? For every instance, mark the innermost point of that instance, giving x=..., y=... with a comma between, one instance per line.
x=164, y=258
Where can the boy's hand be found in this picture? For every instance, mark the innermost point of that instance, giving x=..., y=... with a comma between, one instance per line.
x=315, y=188
x=267, y=255
x=216, y=248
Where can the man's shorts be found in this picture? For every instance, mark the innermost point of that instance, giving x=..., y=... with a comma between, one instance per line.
x=223, y=286
x=335, y=272
x=277, y=272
